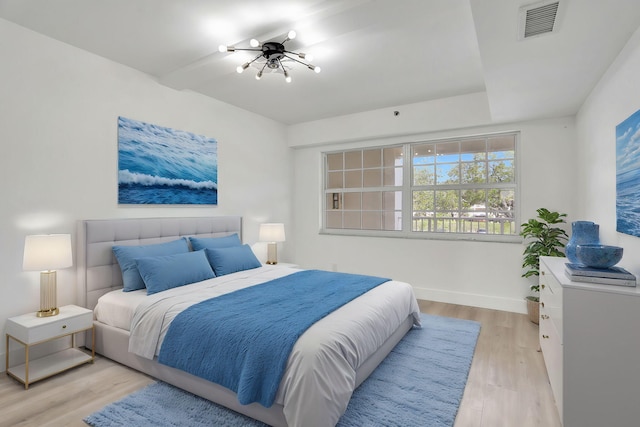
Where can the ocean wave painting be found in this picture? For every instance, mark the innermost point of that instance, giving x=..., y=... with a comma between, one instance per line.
x=628, y=175
x=160, y=165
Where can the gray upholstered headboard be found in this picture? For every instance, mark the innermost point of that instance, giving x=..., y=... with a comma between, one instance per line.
x=98, y=269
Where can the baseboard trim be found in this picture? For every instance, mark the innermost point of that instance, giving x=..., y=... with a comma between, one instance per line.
x=473, y=300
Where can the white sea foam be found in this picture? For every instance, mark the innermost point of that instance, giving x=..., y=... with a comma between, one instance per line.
x=134, y=178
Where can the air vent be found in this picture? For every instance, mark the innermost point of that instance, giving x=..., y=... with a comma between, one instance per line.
x=538, y=18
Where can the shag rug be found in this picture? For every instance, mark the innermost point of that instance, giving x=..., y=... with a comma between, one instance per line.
x=420, y=383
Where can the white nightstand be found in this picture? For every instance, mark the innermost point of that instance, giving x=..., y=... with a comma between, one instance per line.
x=30, y=330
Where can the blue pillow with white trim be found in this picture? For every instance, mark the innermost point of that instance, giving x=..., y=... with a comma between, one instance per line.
x=170, y=271
x=233, y=259
x=126, y=256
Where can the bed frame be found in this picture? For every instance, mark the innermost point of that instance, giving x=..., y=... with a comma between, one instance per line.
x=99, y=273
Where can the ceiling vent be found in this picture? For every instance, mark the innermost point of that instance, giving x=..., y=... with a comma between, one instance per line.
x=538, y=18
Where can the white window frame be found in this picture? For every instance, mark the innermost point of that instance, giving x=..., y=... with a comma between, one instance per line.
x=407, y=196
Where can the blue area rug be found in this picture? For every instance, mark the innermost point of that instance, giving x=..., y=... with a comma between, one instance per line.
x=420, y=383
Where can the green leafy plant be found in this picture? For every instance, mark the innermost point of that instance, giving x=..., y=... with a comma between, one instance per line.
x=544, y=239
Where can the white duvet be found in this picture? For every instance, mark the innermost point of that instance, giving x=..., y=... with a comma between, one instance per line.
x=321, y=370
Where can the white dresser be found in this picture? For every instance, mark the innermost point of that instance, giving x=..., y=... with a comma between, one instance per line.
x=590, y=340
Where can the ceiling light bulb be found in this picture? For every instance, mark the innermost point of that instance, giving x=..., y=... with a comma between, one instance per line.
x=259, y=75
x=317, y=69
x=254, y=43
x=309, y=57
x=291, y=35
x=242, y=67
x=222, y=48
x=287, y=77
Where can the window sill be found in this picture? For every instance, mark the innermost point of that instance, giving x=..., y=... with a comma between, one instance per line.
x=466, y=237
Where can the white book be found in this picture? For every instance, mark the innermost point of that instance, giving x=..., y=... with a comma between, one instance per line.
x=601, y=280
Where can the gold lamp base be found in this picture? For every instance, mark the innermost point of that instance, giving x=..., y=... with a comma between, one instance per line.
x=48, y=312
x=48, y=303
x=272, y=253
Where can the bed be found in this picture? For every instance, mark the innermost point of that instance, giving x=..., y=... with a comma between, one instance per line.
x=384, y=314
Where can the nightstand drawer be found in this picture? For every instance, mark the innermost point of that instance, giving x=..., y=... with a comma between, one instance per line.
x=30, y=329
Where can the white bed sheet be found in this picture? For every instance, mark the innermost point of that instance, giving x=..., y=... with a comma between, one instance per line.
x=117, y=308
x=320, y=375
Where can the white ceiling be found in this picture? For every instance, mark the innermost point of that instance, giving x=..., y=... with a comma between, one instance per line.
x=373, y=53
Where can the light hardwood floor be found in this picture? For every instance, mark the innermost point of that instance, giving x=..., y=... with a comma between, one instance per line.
x=507, y=386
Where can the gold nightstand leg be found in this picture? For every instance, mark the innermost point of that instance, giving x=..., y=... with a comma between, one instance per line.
x=93, y=343
x=26, y=367
x=6, y=347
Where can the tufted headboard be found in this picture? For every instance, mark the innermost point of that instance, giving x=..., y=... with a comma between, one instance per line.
x=98, y=269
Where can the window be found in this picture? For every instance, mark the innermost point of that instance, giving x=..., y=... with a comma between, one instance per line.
x=459, y=187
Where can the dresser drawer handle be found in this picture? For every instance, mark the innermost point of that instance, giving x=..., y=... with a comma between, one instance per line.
x=542, y=286
x=545, y=336
x=541, y=303
x=64, y=326
x=542, y=272
x=544, y=316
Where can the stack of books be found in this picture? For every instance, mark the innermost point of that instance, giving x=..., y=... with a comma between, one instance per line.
x=608, y=276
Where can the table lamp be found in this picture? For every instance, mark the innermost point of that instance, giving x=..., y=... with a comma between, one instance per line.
x=272, y=233
x=46, y=253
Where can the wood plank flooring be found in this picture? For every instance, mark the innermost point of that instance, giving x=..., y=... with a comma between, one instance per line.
x=507, y=386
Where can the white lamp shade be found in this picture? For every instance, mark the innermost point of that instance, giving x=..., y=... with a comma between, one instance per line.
x=271, y=232
x=47, y=252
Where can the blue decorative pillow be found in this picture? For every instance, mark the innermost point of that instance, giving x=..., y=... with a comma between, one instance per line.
x=170, y=271
x=126, y=256
x=199, y=243
x=229, y=260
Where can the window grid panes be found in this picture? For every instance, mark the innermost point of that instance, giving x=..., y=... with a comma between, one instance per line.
x=363, y=189
x=459, y=186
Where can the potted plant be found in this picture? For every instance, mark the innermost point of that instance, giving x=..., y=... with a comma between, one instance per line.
x=543, y=238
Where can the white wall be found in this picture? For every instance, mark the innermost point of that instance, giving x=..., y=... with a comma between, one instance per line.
x=456, y=112
x=614, y=99
x=470, y=273
x=58, y=132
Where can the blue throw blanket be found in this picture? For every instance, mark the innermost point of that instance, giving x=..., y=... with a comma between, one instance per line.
x=242, y=340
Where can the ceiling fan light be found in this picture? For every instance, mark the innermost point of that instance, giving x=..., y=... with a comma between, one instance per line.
x=223, y=48
x=291, y=35
x=254, y=43
x=259, y=75
x=317, y=69
x=242, y=67
x=287, y=77
x=308, y=57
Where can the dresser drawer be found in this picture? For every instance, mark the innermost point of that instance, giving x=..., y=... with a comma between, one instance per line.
x=552, y=352
x=551, y=300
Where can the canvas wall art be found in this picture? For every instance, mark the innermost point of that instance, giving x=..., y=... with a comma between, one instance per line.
x=160, y=165
x=628, y=175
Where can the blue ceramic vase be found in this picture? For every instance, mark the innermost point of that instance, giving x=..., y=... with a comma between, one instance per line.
x=582, y=233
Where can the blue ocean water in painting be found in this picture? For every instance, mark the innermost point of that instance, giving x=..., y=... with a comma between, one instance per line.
x=628, y=175
x=159, y=165
x=628, y=202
